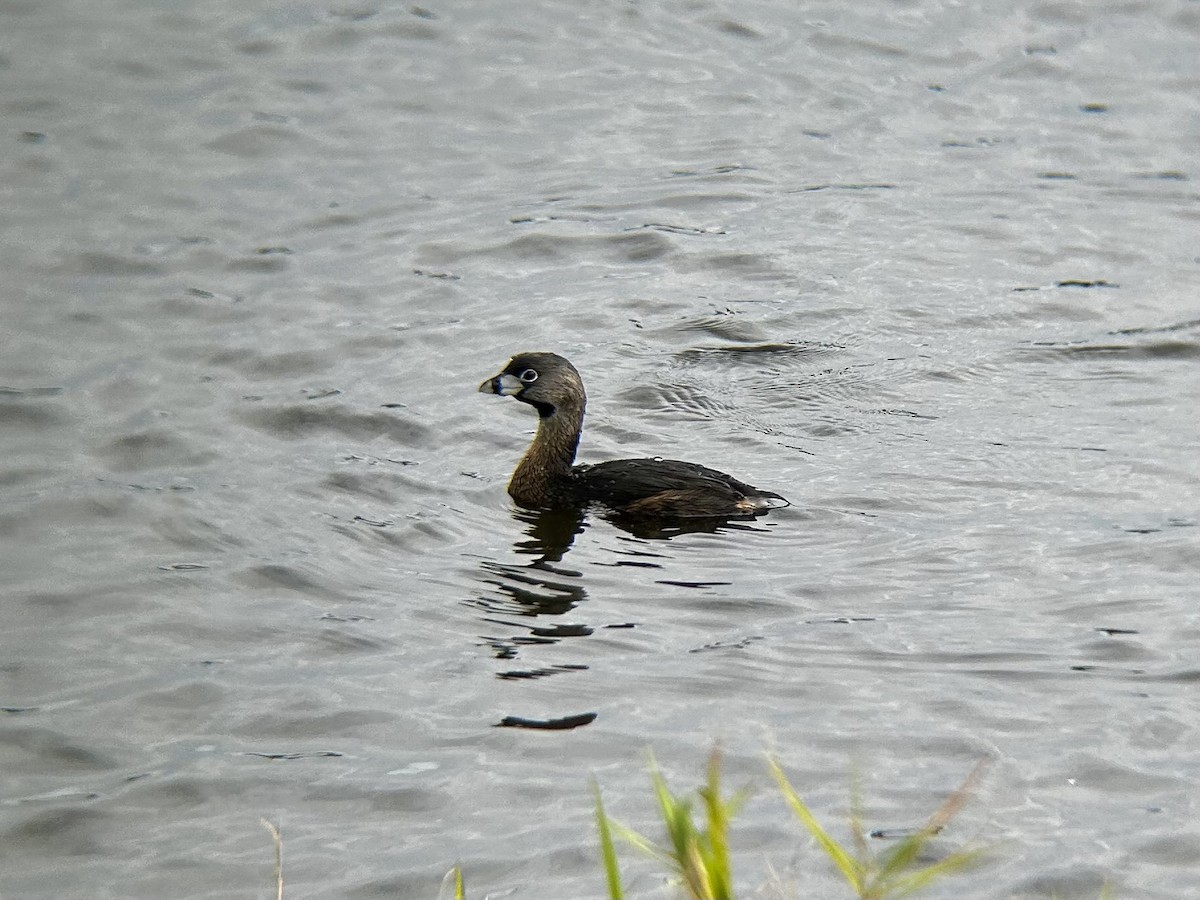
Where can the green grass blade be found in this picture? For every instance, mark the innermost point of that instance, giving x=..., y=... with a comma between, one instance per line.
x=453, y=882
x=608, y=852
x=686, y=842
x=696, y=875
x=735, y=803
x=896, y=861
x=895, y=877
x=640, y=842
x=718, y=813
x=915, y=881
x=852, y=870
x=698, y=854
x=676, y=815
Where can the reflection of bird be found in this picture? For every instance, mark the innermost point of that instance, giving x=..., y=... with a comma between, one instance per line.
x=651, y=488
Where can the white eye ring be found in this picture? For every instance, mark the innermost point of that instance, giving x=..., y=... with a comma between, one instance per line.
x=529, y=376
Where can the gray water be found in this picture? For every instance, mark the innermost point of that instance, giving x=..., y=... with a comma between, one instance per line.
x=930, y=271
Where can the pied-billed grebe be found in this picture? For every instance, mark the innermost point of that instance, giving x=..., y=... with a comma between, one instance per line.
x=547, y=479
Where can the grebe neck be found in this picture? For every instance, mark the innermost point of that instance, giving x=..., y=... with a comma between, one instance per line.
x=549, y=458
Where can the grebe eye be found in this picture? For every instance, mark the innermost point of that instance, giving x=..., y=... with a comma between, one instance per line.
x=529, y=376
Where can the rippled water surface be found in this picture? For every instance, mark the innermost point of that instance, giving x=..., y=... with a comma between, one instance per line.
x=930, y=270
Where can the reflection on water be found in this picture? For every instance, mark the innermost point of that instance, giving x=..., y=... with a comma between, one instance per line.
x=533, y=590
x=1130, y=343
x=551, y=532
x=530, y=599
x=530, y=591
x=664, y=530
x=519, y=592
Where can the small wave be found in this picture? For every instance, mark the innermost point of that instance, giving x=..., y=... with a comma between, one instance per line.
x=293, y=421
